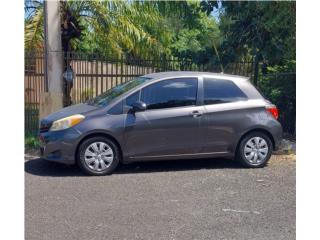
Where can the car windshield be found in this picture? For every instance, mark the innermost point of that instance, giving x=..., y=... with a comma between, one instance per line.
x=106, y=97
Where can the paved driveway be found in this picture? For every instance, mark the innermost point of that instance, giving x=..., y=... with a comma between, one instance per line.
x=198, y=199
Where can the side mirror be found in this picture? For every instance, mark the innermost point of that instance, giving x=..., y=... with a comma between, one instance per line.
x=139, y=106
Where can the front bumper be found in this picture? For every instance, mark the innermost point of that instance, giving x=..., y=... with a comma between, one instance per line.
x=59, y=146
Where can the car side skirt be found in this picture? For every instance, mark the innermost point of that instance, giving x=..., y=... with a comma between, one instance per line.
x=180, y=156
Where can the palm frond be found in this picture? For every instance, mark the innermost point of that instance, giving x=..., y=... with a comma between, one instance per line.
x=34, y=30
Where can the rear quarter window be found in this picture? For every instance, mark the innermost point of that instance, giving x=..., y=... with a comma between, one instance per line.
x=221, y=91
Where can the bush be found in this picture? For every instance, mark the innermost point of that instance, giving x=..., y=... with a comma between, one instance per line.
x=31, y=142
x=280, y=89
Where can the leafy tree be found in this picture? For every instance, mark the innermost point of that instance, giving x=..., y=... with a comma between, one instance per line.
x=192, y=33
x=262, y=28
x=109, y=26
x=34, y=27
x=136, y=28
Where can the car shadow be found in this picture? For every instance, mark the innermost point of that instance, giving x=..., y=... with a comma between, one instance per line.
x=41, y=167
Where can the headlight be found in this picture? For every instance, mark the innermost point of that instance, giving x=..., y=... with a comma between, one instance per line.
x=67, y=122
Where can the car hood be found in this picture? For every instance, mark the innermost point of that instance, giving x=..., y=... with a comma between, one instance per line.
x=68, y=111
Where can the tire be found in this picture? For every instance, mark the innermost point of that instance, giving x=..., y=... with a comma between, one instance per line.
x=253, y=155
x=96, y=151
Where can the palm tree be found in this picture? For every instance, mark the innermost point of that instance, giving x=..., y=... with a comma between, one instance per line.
x=34, y=30
x=115, y=26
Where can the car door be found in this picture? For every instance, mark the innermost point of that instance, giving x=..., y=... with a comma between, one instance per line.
x=170, y=125
x=224, y=103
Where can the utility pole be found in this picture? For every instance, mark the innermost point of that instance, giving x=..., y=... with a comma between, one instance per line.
x=52, y=99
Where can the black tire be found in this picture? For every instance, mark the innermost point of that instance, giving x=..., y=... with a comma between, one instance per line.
x=240, y=155
x=83, y=165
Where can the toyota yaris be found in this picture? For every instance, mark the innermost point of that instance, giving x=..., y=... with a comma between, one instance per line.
x=164, y=116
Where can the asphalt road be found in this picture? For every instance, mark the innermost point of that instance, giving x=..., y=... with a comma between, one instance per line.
x=198, y=199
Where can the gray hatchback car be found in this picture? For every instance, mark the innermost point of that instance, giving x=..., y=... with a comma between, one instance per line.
x=164, y=116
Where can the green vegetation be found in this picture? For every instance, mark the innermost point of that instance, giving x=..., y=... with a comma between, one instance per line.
x=262, y=28
x=177, y=28
x=31, y=142
x=132, y=28
x=279, y=86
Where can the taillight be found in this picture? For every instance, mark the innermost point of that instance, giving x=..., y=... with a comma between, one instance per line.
x=273, y=110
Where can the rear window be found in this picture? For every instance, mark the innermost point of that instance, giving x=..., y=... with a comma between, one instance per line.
x=221, y=91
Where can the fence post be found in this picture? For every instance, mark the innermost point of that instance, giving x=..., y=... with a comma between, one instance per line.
x=256, y=70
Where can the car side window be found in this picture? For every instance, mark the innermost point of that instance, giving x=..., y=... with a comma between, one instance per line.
x=221, y=91
x=171, y=93
x=132, y=98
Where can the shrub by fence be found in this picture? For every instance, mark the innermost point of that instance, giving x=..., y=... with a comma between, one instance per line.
x=280, y=89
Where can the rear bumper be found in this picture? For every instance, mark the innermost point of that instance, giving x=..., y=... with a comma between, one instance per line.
x=277, y=136
x=59, y=146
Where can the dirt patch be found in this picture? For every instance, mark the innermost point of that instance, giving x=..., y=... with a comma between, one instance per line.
x=30, y=153
x=283, y=159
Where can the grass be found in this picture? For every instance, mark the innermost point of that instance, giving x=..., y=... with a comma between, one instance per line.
x=31, y=142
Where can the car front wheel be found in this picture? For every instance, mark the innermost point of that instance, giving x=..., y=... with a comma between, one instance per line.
x=254, y=150
x=98, y=156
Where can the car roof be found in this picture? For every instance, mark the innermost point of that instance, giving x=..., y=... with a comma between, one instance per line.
x=160, y=75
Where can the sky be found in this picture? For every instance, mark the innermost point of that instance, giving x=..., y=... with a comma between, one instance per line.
x=216, y=12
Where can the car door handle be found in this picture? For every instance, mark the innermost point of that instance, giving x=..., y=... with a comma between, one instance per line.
x=196, y=113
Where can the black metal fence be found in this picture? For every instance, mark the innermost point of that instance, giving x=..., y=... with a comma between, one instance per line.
x=34, y=84
x=95, y=74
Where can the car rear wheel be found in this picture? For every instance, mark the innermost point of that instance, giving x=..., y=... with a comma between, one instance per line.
x=98, y=156
x=254, y=150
